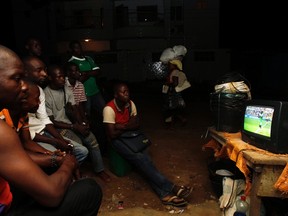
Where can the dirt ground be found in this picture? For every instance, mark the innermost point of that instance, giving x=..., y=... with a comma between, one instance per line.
x=176, y=153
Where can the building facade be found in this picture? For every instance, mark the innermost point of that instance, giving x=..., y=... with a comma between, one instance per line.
x=125, y=36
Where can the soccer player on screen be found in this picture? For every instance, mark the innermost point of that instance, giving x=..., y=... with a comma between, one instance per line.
x=260, y=116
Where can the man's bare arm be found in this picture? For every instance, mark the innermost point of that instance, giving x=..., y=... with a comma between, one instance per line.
x=18, y=168
x=53, y=131
x=115, y=130
x=87, y=74
x=31, y=145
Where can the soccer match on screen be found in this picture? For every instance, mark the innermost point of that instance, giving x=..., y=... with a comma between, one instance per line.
x=258, y=120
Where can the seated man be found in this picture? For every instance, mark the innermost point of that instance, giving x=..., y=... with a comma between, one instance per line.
x=39, y=122
x=72, y=73
x=34, y=192
x=17, y=118
x=34, y=47
x=57, y=97
x=72, y=78
x=120, y=115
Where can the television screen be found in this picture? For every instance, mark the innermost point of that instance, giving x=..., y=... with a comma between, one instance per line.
x=258, y=120
x=265, y=125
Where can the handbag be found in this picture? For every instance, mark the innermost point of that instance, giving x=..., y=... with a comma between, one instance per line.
x=136, y=141
x=173, y=100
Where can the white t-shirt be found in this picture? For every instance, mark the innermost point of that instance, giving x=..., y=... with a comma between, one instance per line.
x=39, y=120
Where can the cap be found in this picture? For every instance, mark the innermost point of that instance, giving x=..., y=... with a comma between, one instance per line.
x=178, y=63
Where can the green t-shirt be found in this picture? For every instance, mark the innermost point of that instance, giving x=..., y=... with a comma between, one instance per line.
x=87, y=64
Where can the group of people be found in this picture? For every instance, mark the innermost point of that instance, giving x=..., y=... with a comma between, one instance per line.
x=45, y=128
x=26, y=189
x=51, y=119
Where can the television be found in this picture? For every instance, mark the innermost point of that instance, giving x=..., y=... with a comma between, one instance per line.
x=265, y=125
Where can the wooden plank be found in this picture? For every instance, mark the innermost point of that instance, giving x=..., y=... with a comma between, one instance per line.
x=268, y=177
x=255, y=201
x=218, y=138
x=259, y=158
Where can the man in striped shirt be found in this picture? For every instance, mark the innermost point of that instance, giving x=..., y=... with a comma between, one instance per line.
x=72, y=81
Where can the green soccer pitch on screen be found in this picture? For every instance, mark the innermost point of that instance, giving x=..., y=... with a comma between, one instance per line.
x=265, y=125
x=258, y=120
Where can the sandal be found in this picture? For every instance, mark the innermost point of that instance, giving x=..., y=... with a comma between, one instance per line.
x=183, y=191
x=174, y=201
x=104, y=176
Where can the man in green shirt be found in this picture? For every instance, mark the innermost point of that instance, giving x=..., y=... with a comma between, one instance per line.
x=95, y=101
x=89, y=70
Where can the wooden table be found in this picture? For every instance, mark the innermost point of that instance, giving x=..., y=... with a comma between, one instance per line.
x=266, y=168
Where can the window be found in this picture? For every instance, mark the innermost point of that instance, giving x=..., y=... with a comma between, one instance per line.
x=147, y=13
x=122, y=17
x=201, y=4
x=83, y=18
x=176, y=13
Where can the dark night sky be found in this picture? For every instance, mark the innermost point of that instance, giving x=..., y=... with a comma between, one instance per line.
x=253, y=25
x=256, y=33
x=6, y=23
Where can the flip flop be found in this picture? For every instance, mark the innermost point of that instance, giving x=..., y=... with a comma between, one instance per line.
x=104, y=176
x=175, y=201
x=184, y=191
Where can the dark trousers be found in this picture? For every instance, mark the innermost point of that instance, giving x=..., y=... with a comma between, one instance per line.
x=82, y=198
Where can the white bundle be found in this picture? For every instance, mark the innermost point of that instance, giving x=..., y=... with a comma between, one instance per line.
x=231, y=188
x=173, y=53
x=180, y=50
x=233, y=88
x=167, y=55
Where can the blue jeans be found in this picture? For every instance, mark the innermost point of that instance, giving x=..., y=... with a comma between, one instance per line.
x=143, y=163
x=95, y=102
x=92, y=145
x=80, y=151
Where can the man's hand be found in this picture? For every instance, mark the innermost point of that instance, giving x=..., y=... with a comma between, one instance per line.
x=62, y=144
x=71, y=161
x=82, y=129
x=59, y=153
x=133, y=123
